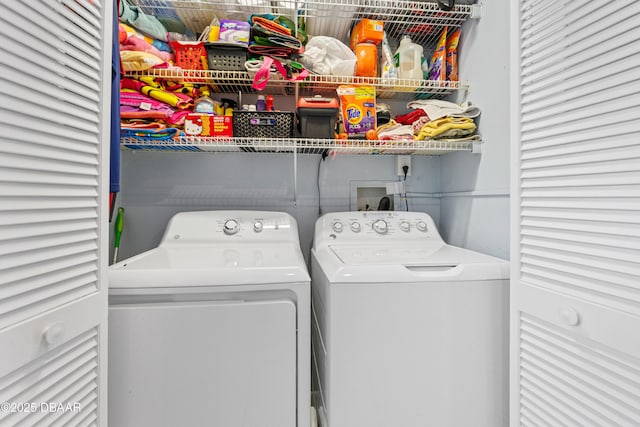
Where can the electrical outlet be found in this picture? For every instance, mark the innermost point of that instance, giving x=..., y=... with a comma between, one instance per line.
x=403, y=160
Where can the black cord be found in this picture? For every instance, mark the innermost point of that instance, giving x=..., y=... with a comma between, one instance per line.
x=322, y=157
x=405, y=169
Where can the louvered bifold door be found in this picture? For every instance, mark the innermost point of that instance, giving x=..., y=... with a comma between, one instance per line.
x=575, y=316
x=55, y=71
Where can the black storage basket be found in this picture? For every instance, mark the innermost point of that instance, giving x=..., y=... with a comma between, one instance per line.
x=226, y=57
x=263, y=124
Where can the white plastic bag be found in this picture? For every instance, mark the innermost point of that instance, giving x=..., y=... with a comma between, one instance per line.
x=329, y=56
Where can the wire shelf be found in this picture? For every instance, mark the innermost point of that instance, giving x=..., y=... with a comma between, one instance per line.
x=422, y=20
x=301, y=145
x=234, y=81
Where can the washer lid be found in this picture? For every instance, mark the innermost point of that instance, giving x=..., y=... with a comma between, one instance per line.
x=426, y=254
x=210, y=265
x=407, y=263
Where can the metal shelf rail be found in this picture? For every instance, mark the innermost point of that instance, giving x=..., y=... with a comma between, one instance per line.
x=302, y=145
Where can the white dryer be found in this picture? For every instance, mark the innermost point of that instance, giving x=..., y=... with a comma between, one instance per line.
x=212, y=326
x=406, y=330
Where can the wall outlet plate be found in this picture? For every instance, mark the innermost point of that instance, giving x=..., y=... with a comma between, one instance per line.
x=403, y=160
x=366, y=195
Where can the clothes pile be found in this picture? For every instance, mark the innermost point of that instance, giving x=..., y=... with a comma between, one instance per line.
x=432, y=119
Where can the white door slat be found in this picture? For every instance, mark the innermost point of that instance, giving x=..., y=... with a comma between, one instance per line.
x=85, y=10
x=575, y=224
x=53, y=253
x=589, y=137
x=48, y=228
x=40, y=216
x=560, y=155
x=48, y=177
x=72, y=28
x=49, y=267
x=49, y=135
x=626, y=375
x=58, y=155
x=593, y=216
x=22, y=90
x=66, y=31
x=53, y=204
x=38, y=243
x=33, y=111
x=572, y=32
x=582, y=87
x=593, y=411
x=11, y=289
x=47, y=47
x=50, y=84
x=533, y=385
x=72, y=75
x=42, y=190
x=603, y=203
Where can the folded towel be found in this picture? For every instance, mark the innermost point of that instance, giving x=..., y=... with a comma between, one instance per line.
x=447, y=127
x=436, y=108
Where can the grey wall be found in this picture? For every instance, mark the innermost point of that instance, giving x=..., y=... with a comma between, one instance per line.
x=467, y=194
x=157, y=185
x=475, y=202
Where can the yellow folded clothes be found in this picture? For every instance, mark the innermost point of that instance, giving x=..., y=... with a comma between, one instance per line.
x=138, y=61
x=447, y=127
x=390, y=125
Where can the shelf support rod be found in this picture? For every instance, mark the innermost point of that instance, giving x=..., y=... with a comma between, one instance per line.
x=295, y=177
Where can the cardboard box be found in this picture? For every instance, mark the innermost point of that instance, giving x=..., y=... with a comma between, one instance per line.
x=366, y=31
x=208, y=125
x=234, y=32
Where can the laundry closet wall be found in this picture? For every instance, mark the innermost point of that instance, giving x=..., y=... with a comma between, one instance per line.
x=475, y=189
x=156, y=185
x=467, y=194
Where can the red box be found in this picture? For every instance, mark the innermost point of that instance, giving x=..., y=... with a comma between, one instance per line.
x=208, y=125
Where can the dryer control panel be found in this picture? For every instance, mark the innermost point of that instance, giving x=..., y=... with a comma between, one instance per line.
x=231, y=226
x=363, y=226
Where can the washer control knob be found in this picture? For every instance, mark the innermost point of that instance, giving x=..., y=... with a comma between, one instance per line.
x=231, y=227
x=380, y=226
x=355, y=227
x=405, y=226
x=422, y=226
x=337, y=227
x=258, y=226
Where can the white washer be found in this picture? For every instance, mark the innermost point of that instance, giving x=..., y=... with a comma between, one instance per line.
x=406, y=330
x=212, y=326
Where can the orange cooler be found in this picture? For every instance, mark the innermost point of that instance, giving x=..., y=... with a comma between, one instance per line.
x=318, y=116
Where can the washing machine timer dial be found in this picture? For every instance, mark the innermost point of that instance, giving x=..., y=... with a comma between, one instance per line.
x=380, y=226
x=231, y=227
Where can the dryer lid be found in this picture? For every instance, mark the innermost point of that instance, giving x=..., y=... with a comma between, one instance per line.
x=210, y=265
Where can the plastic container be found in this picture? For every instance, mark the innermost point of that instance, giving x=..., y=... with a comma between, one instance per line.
x=261, y=104
x=366, y=60
x=262, y=124
x=408, y=59
x=366, y=31
x=226, y=56
x=190, y=55
x=317, y=117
